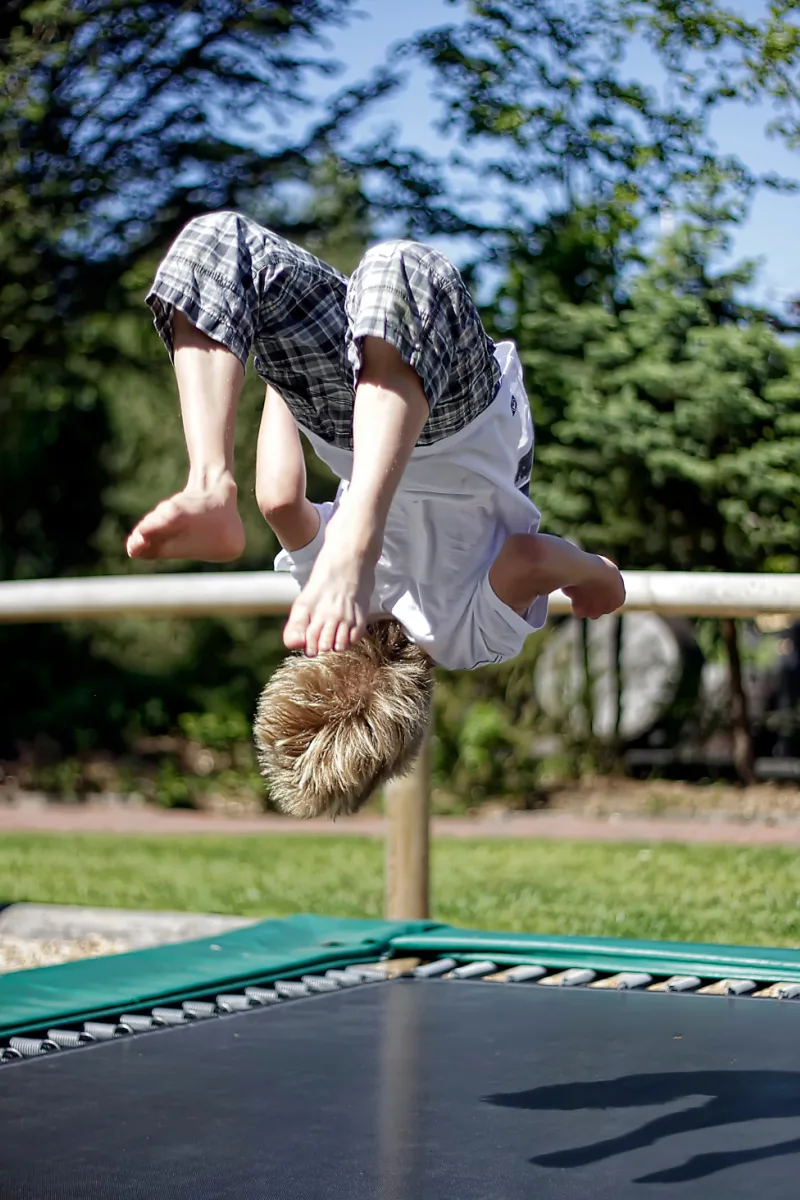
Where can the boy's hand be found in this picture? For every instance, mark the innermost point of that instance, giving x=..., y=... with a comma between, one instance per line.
x=332, y=610
x=602, y=593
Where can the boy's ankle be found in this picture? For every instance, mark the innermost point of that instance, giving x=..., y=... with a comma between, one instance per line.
x=362, y=528
x=218, y=480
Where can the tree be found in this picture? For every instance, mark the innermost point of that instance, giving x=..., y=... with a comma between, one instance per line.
x=543, y=111
x=672, y=423
x=121, y=119
x=92, y=685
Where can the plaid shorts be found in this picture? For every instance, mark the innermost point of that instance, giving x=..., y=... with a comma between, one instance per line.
x=250, y=289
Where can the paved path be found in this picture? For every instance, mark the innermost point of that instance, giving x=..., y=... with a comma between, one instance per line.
x=118, y=819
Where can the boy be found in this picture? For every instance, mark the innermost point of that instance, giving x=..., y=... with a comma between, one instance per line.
x=402, y=393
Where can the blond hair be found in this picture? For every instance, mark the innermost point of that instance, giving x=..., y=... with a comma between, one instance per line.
x=330, y=730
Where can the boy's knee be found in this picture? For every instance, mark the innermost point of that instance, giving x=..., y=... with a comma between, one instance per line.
x=408, y=264
x=209, y=230
x=212, y=221
x=276, y=502
x=412, y=297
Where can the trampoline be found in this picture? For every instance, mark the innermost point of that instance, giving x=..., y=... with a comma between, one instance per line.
x=322, y=1058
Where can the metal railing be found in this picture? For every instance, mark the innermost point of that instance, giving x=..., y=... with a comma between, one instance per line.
x=261, y=593
x=265, y=593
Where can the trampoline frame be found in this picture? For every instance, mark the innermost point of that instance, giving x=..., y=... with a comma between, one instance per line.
x=91, y=999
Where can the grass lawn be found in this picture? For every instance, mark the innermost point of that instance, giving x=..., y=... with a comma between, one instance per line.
x=666, y=891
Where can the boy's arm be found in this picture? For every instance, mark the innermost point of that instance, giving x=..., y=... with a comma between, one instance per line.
x=535, y=564
x=281, y=477
x=389, y=414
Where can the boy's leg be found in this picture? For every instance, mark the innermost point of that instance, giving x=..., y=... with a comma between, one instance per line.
x=225, y=286
x=281, y=477
x=530, y=565
x=201, y=521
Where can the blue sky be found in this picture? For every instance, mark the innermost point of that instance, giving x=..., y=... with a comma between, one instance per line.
x=737, y=128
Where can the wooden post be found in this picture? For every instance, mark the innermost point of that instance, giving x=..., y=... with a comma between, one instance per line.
x=408, y=807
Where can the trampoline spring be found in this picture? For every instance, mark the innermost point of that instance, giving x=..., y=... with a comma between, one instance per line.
x=430, y=970
x=9, y=1055
x=395, y=968
x=235, y=1003
x=574, y=977
x=67, y=1039
x=368, y=974
x=787, y=991
x=291, y=989
x=777, y=991
x=625, y=981
x=524, y=973
x=728, y=987
x=104, y=1031
x=30, y=1047
x=172, y=1016
x=318, y=983
x=472, y=970
x=199, y=1009
x=682, y=983
x=140, y=1022
x=259, y=995
x=739, y=987
x=344, y=977
x=676, y=983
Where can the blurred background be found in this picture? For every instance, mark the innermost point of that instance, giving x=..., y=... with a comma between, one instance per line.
x=616, y=179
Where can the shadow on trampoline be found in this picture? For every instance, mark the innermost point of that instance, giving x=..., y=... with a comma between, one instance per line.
x=734, y=1097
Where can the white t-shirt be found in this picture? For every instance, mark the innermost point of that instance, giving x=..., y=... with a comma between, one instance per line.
x=457, y=502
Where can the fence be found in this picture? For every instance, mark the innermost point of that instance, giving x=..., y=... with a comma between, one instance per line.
x=263, y=593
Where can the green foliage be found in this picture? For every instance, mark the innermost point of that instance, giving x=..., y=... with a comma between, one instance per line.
x=120, y=119
x=717, y=52
x=214, y=730
x=174, y=788
x=67, y=511
x=667, y=408
x=484, y=730
x=671, y=420
x=538, y=96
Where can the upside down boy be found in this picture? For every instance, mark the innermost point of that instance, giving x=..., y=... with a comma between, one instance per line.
x=431, y=552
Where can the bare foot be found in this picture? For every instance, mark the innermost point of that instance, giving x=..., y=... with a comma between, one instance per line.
x=331, y=611
x=202, y=524
x=603, y=592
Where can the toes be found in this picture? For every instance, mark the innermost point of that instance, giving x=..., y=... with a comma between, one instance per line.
x=150, y=537
x=137, y=545
x=343, y=636
x=160, y=519
x=358, y=629
x=326, y=636
x=312, y=640
x=294, y=633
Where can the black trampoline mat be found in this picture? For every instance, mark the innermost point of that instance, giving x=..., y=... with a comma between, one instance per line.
x=415, y=1090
